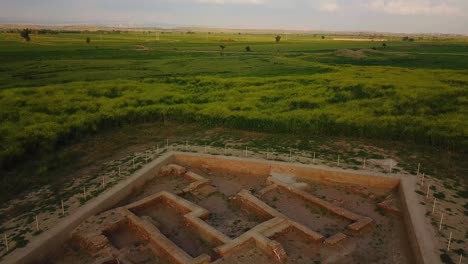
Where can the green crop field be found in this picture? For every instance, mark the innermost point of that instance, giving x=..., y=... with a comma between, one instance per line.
x=57, y=88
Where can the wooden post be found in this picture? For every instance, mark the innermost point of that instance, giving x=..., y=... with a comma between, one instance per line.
x=449, y=241
x=290, y=155
x=6, y=243
x=433, y=206
x=364, y=164
x=246, y=151
x=441, y=221
x=422, y=179
x=314, y=158
x=459, y=261
x=417, y=173
x=63, y=209
x=338, y=160
x=427, y=194
x=391, y=166
x=37, y=223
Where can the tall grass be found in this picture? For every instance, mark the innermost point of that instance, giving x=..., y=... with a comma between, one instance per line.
x=57, y=89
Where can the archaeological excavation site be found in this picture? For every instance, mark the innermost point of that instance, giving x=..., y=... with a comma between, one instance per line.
x=200, y=208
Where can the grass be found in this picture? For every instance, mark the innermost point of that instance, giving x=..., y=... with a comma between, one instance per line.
x=57, y=89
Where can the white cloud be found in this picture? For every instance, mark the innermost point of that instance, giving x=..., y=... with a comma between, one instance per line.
x=329, y=7
x=243, y=2
x=414, y=7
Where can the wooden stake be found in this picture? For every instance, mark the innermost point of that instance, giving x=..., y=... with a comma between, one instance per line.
x=290, y=155
x=450, y=240
x=459, y=261
x=6, y=243
x=441, y=221
x=37, y=223
x=63, y=209
x=422, y=179
x=268, y=153
x=364, y=164
x=433, y=206
x=119, y=170
x=133, y=160
x=338, y=160
x=417, y=173
x=314, y=158
x=427, y=194
x=391, y=166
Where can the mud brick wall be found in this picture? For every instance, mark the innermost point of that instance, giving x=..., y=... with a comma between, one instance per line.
x=47, y=242
x=264, y=168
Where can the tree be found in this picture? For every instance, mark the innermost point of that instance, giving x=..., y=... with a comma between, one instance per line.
x=25, y=34
x=222, y=48
x=278, y=38
x=384, y=45
x=248, y=49
x=323, y=37
x=88, y=40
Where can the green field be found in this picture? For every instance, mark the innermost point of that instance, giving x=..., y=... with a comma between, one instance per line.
x=56, y=89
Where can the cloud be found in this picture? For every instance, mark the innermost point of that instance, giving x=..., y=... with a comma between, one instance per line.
x=414, y=7
x=241, y=2
x=329, y=7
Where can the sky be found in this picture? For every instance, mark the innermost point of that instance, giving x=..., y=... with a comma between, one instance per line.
x=401, y=16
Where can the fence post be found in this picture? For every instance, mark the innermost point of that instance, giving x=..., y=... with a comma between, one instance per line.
x=37, y=223
x=441, y=220
x=6, y=243
x=450, y=240
x=433, y=206
x=63, y=209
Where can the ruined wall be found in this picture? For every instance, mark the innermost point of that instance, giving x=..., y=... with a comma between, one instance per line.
x=423, y=249
x=264, y=168
x=47, y=242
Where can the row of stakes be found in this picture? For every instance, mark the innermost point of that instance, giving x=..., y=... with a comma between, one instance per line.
x=441, y=221
x=246, y=154
x=85, y=195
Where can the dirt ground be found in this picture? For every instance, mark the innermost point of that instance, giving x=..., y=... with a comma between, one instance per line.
x=384, y=242
x=17, y=216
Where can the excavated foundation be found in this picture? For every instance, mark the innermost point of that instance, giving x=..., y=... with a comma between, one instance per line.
x=190, y=208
